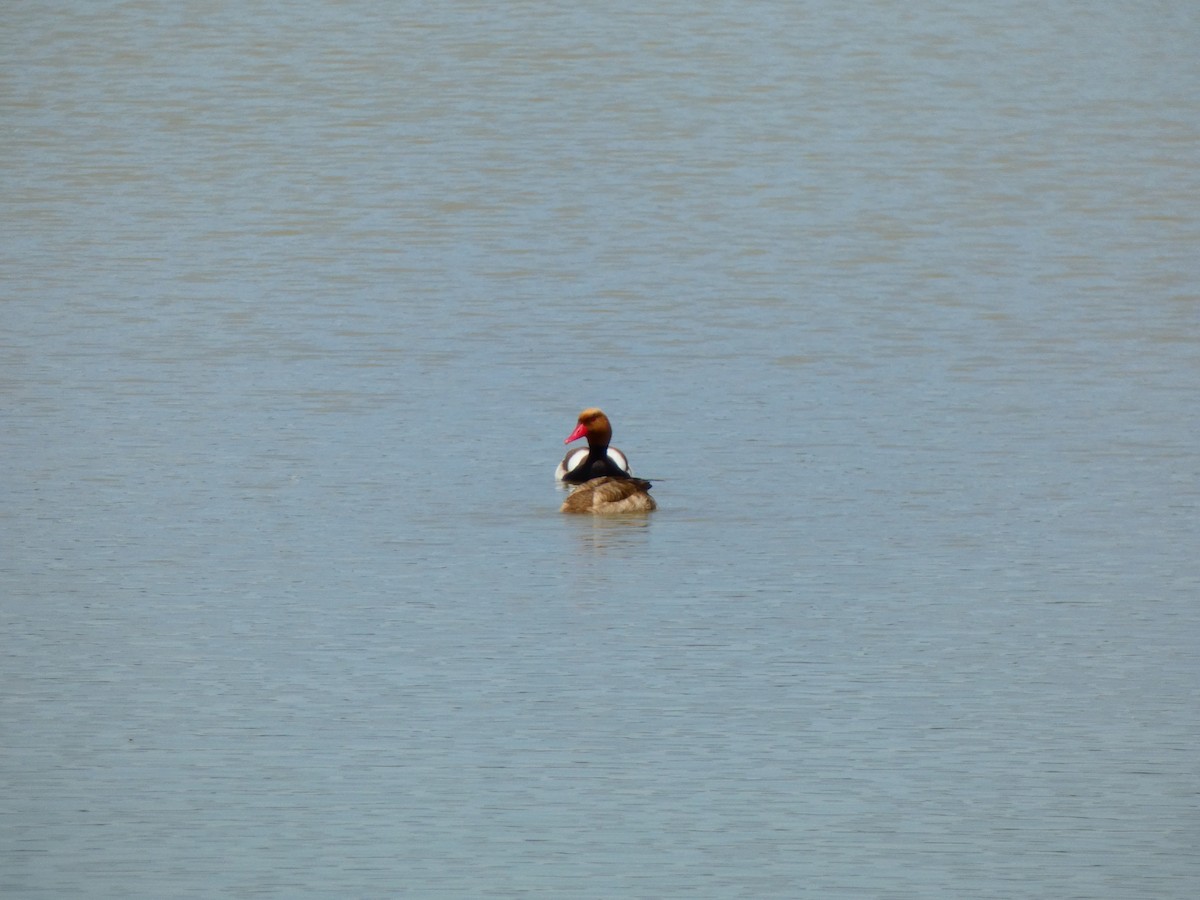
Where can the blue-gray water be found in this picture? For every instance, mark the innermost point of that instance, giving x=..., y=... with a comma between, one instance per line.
x=898, y=302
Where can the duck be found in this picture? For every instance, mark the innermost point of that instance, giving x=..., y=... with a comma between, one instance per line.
x=610, y=496
x=604, y=483
x=597, y=459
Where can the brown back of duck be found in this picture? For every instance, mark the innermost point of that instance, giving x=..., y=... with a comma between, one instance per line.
x=609, y=496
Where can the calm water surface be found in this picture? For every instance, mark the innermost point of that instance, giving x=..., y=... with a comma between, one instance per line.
x=899, y=304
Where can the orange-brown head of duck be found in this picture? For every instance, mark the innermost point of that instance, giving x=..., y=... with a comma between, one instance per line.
x=594, y=425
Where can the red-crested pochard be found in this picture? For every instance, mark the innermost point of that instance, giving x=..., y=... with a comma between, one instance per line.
x=605, y=485
x=595, y=460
